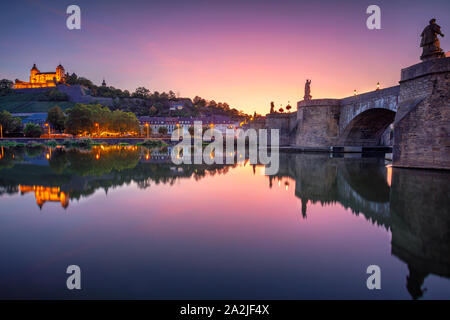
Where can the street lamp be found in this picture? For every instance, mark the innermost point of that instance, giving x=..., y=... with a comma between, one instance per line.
x=47, y=125
x=147, y=125
x=98, y=129
x=1, y=131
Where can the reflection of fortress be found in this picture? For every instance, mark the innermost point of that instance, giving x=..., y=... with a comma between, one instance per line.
x=412, y=204
x=73, y=174
x=44, y=194
x=40, y=79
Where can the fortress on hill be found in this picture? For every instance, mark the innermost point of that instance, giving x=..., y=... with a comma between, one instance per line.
x=40, y=79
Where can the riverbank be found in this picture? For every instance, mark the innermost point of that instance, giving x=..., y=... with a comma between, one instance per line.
x=83, y=142
x=95, y=140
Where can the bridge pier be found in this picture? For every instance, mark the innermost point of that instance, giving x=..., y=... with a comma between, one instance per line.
x=318, y=123
x=422, y=123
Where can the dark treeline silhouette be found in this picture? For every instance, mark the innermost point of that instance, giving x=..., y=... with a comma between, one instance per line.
x=155, y=103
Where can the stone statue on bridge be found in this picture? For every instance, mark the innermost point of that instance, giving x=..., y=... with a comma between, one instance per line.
x=430, y=42
x=307, y=90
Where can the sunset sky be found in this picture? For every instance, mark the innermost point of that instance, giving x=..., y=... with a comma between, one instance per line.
x=246, y=53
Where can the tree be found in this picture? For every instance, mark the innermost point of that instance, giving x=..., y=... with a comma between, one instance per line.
x=153, y=110
x=6, y=87
x=6, y=84
x=196, y=99
x=10, y=125
x=155, y=96
x=162, y=130
x=79, y=119
x=32, y=130
x=56, y=118
x=199, y=102
x=159, y=107
x=288, y=107
x=124, y=122
x=272, y=107
x=141, y=92
x=71, y=79
x=281, y=110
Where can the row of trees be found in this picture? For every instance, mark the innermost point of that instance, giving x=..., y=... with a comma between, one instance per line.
x=144, y=93
x=95, y=119
x=81, y=119
x=211, y=107
x=92, y=119
x=155, y=103
x=111, y=92
x=97, y=91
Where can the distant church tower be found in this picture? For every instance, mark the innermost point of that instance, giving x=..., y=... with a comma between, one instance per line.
x=103, y=83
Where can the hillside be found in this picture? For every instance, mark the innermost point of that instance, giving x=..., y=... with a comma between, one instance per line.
x=141, y=102
x=30, y=102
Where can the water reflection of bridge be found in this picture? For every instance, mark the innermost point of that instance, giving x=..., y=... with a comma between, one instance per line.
x=412, y=204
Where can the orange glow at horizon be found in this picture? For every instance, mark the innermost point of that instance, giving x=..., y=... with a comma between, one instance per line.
x=244, y=54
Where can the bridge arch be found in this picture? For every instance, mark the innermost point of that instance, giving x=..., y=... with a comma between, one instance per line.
x=367, y=127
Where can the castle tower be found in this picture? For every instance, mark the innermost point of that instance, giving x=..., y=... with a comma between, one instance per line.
x=34, y=70
x=60, y=73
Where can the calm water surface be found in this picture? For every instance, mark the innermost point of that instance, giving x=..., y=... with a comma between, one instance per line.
x=140, y=227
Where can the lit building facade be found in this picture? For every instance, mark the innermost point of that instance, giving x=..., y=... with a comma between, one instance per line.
x=220, y=123
x=40, y=79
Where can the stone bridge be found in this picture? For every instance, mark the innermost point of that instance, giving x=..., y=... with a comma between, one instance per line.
x=418, y=108
x=354, y=121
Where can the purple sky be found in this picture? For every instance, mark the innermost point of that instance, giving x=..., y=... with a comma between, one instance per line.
x=246, y=53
